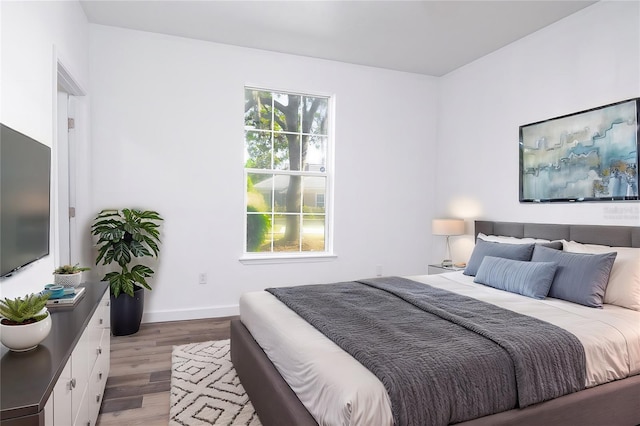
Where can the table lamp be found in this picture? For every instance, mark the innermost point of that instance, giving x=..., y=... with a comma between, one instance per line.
x=447, y=227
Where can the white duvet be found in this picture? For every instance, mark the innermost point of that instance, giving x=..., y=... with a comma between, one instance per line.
x=338, y=390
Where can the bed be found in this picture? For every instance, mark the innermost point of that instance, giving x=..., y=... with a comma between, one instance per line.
x=610, y=399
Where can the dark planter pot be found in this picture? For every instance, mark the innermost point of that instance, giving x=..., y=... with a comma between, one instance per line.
x=126, y=312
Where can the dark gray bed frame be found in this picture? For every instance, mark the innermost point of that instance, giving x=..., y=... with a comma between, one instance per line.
x=614, y=403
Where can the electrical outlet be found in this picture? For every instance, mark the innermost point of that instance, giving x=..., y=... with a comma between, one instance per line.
x=202, y=278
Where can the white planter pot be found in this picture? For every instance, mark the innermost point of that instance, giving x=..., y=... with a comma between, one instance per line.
x=68, y=280
x=20, y=338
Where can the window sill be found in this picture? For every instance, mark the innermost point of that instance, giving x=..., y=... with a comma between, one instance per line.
x=256, y=259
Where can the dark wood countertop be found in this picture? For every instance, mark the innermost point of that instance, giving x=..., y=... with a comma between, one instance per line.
x=27, y=379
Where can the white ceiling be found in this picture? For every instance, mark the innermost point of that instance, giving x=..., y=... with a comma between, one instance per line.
x=426, y=37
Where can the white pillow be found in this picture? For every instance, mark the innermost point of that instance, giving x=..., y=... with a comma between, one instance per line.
x=624, y=282
x=510, y=240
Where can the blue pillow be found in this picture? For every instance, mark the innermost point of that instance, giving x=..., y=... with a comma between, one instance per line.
x=580, y=278
x=532, y=279
x=488, y=248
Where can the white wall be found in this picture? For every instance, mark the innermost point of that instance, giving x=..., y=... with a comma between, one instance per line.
x=589, y=59
x=167, y=120
x=34, y=36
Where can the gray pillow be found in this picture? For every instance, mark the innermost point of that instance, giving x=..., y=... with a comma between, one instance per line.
x=580, y=278
x=532, y=279
x=552, y=244
x=487, y=248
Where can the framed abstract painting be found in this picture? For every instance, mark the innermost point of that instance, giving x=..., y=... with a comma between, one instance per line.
x=589, y=155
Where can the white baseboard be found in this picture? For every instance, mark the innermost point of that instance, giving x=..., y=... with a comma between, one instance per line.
x=189, y=314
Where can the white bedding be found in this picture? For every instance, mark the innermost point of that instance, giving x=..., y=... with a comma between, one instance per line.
x=338, y=390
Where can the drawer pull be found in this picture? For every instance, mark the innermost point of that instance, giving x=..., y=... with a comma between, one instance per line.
x=108, y=303
x=100, y=376
x=99, y=351
x=101, y=321
x=72, y=384
x=98, y=398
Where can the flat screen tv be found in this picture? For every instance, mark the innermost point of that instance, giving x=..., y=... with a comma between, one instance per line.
x=25, y=180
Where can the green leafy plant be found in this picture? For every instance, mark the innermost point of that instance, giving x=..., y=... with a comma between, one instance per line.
x=21, y=311
x=70, y=269
x=122, y=236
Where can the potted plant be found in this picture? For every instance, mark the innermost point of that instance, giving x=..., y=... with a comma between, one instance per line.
x=25, y=322
x=68, y=275
x=124, y=238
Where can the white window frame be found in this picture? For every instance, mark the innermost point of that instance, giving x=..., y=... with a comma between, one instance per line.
x=300, y=256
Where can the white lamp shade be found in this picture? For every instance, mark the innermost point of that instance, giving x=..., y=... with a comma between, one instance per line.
x=447, y=227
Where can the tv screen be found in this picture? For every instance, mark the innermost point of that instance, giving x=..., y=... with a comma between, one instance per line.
x=25, y=170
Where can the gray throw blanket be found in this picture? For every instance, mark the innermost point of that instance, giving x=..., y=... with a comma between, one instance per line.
x=442, y=357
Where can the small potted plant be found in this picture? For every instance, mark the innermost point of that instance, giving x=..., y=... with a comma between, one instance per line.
x=68, y=275
x=25, y=322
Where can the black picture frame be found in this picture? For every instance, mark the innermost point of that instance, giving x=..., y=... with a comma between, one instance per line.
x=590, y=155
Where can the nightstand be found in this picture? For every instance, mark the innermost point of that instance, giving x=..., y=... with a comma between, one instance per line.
x=439, y=269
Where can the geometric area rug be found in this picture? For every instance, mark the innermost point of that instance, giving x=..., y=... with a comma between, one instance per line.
x=205, y=389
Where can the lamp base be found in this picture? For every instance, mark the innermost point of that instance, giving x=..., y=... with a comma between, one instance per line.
x=447, y=263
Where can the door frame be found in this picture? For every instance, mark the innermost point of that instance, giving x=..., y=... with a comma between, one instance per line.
x=65, y=240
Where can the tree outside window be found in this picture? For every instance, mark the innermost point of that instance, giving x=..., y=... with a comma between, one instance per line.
x=286, y=171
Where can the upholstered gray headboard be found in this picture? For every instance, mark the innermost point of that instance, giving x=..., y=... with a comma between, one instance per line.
x=617, y=236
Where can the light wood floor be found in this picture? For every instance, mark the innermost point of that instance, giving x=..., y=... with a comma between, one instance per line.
x=137, y=390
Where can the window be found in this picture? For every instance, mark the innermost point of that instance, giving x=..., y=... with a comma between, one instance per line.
x=287, y=174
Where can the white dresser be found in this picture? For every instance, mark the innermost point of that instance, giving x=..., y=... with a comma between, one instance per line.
x=62, y=381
